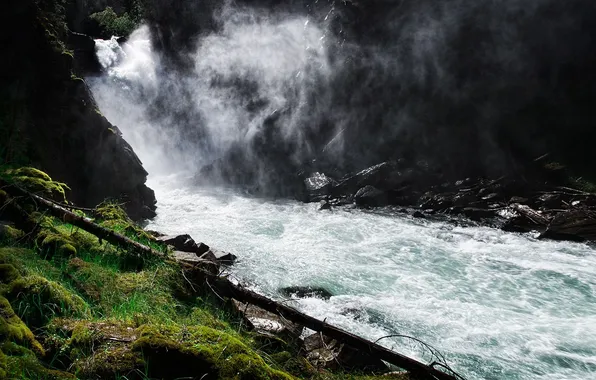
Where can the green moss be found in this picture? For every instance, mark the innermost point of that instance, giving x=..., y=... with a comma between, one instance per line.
x=38, y=300
x=22, y=363
x=8, y=273
x=201, y=349
x=10, y=234
x=110, y=362
x=14, y=330
x=67, y=250
x=36, y=181
x=3, y=365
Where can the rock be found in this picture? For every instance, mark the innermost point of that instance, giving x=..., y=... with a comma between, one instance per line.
x=265, y=322
x=306, y=292
x=222, y=257
x=418, y=214
x=325, y=205
x=576, y=225
x=384, y=176
x=318, y=187
x=184, y=243
x=440, y=201
x=550, y=201
x=83, y=46
x=324, y=352
x=478, y=214
x=370, y=196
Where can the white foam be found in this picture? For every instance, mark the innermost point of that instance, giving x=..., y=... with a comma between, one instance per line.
x=498, y=305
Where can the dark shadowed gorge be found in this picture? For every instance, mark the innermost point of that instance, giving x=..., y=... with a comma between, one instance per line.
x=314, y=189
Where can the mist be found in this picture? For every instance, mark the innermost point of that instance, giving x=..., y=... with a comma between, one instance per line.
x=259, y=95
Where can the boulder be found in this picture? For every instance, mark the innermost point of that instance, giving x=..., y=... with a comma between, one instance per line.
x=318, y=187
x=324, y=352
x=575, y=225
x=371, y=196
x=325, y=205
x=222, y=257
x=306, y=292
x=184, y=243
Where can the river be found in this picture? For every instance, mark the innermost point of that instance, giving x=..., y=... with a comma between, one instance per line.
x=497, y=305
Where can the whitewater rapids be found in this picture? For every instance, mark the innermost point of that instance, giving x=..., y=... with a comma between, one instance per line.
x=497, y=305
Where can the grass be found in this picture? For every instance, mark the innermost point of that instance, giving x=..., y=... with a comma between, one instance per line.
x=74, y=306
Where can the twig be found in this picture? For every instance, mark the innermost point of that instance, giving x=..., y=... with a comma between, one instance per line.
x=187, y=280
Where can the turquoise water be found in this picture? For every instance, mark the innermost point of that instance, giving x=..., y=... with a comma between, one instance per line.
x=497, y=305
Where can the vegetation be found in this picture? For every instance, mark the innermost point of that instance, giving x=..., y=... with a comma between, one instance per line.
x=74, y=306
x=113, y=25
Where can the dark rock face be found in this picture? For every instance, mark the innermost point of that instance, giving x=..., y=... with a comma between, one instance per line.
x=370, y=196
x=86, y=62
x=575, y=225
x=225, y=258
x=405, y=93
x=66, y=135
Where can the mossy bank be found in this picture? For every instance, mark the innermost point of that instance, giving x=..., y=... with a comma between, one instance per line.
x=74, y=306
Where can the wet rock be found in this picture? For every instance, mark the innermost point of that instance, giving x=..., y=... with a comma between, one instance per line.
x=306, y=292
x=222, y=257
x=324, y=352
x=184, y=243
x=550, y=201
x=478, y=214
x=575, y=225
x=318, y=187
x=384, y=176
x=83, y=47
x=265, y=322
x=418, y=214
x=325, y=205
x=370, y=196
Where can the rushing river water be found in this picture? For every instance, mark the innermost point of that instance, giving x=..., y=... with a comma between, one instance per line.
x=498, y=305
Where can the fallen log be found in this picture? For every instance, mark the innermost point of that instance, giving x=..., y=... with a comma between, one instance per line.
x=530, y=214
x=226, y=288
x=83, y=222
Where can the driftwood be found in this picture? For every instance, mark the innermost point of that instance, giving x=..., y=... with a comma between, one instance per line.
x=530, y=214
x=83, y=222
x=226, y=288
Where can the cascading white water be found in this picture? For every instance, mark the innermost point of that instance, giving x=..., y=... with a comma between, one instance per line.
x=497, y=305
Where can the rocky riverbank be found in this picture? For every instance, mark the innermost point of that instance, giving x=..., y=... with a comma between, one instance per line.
x=553, y=211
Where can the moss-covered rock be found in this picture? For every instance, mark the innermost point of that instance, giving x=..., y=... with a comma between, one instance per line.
x=8, y=273
x=38, y=300
x=12, y=328
x=36, y=181
x=175, y=351
x=10, y=234
x=21, y=363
